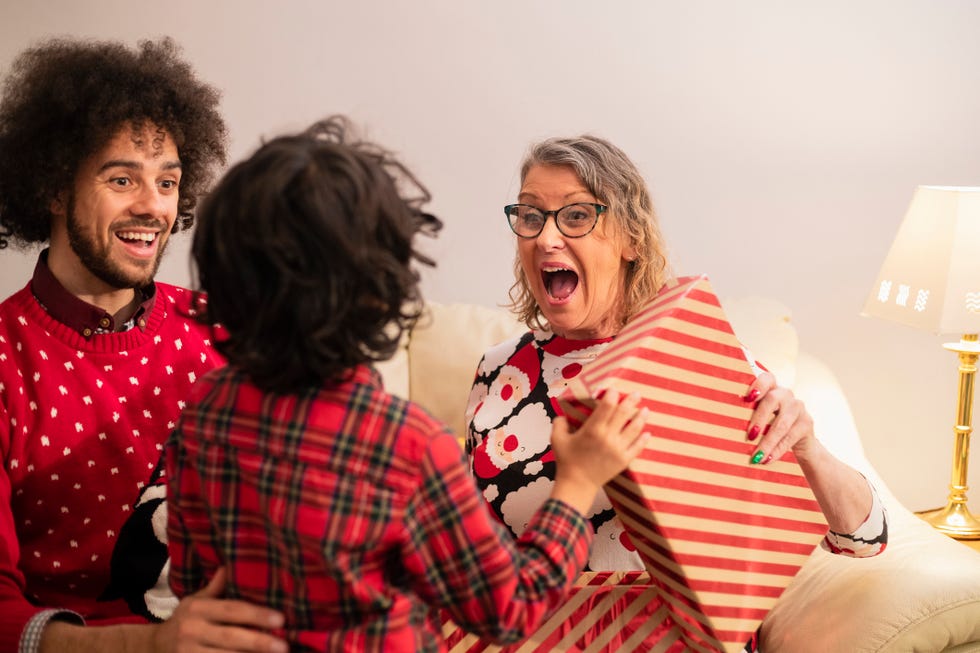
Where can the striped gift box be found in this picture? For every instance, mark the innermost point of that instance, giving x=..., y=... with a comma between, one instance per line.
x=720, y=537
x=604, y=612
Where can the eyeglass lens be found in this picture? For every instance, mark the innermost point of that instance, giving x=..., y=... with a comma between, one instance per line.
x=572, y=220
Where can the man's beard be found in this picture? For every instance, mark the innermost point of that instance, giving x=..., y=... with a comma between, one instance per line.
x=97, y=259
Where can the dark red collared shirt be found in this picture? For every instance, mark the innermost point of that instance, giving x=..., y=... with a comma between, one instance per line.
x=87, y=319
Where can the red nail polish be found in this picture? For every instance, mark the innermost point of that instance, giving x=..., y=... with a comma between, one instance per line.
x=752, y=396
x=753, y=432
x=767, y=460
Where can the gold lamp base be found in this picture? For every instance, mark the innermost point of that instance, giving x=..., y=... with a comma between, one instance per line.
x=955, y=519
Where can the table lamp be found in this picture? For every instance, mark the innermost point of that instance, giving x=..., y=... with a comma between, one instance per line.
x=931, y=280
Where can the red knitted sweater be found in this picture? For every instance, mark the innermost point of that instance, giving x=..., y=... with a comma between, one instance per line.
x=82, y=424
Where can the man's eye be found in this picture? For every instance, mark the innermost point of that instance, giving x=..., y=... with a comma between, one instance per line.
x=122, y=182
x=168, y=184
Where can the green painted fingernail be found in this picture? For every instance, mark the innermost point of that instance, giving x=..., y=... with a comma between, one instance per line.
x=757, y=458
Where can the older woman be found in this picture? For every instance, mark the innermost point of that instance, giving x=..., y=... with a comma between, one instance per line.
x=589, y=256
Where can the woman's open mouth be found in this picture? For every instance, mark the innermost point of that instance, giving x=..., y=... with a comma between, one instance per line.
x=559, y=282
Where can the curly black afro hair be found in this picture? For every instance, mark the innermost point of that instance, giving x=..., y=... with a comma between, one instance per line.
x=65, y=99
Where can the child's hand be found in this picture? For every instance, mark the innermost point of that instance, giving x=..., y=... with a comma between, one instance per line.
x=604, y=445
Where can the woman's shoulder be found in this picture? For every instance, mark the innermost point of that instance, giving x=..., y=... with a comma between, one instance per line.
x=503, y=352
x=514, y=343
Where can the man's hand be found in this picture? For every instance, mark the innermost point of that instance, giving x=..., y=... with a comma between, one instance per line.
x=205, y=622
x=202, y=622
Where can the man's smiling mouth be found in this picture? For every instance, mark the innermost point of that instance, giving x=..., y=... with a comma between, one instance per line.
x=136, y=237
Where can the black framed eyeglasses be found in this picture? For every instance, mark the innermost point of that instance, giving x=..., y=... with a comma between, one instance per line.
x=573, y=221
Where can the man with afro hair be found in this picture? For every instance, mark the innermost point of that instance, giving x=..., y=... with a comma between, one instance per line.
x=104, y=151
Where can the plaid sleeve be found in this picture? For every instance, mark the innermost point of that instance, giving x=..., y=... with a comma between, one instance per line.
x=185, y=575
x=463, y=560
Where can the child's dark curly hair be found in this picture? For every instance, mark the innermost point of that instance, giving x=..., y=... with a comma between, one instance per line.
x=306, y=252
x=63, y=100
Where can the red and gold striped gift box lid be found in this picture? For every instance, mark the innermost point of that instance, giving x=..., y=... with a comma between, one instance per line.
x=721, y=538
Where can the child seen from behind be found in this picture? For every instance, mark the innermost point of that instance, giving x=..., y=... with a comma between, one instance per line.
x=350, y=510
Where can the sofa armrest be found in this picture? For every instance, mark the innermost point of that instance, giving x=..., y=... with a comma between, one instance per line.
x=921, y=594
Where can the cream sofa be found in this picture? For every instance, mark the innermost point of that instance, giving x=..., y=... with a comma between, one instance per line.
x=922, y=594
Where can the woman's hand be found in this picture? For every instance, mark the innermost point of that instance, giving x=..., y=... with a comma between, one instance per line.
x=599, y=450
x=205, y=622
x=780, y=421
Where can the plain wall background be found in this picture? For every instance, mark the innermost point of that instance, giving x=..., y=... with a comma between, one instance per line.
x=782, y=142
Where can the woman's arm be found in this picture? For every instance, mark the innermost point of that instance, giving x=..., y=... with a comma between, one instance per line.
x=781, y=423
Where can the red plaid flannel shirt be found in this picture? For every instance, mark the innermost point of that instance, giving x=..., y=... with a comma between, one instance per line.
x=354, y=513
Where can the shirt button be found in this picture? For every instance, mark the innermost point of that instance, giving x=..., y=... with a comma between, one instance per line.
x=142, y=323
x=104, y=322
x=87, y=332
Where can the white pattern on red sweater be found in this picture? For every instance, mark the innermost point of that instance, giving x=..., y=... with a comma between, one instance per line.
x=82, y=424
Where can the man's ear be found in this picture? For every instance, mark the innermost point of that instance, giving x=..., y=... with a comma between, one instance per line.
x=58, y=207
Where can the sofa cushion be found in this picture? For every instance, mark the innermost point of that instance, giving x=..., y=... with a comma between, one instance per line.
x=818, y=388
x=444, y=350
x=764, y=327
x=394, y=371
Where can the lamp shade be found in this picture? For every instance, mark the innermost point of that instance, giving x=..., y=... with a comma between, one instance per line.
x=930, y=279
